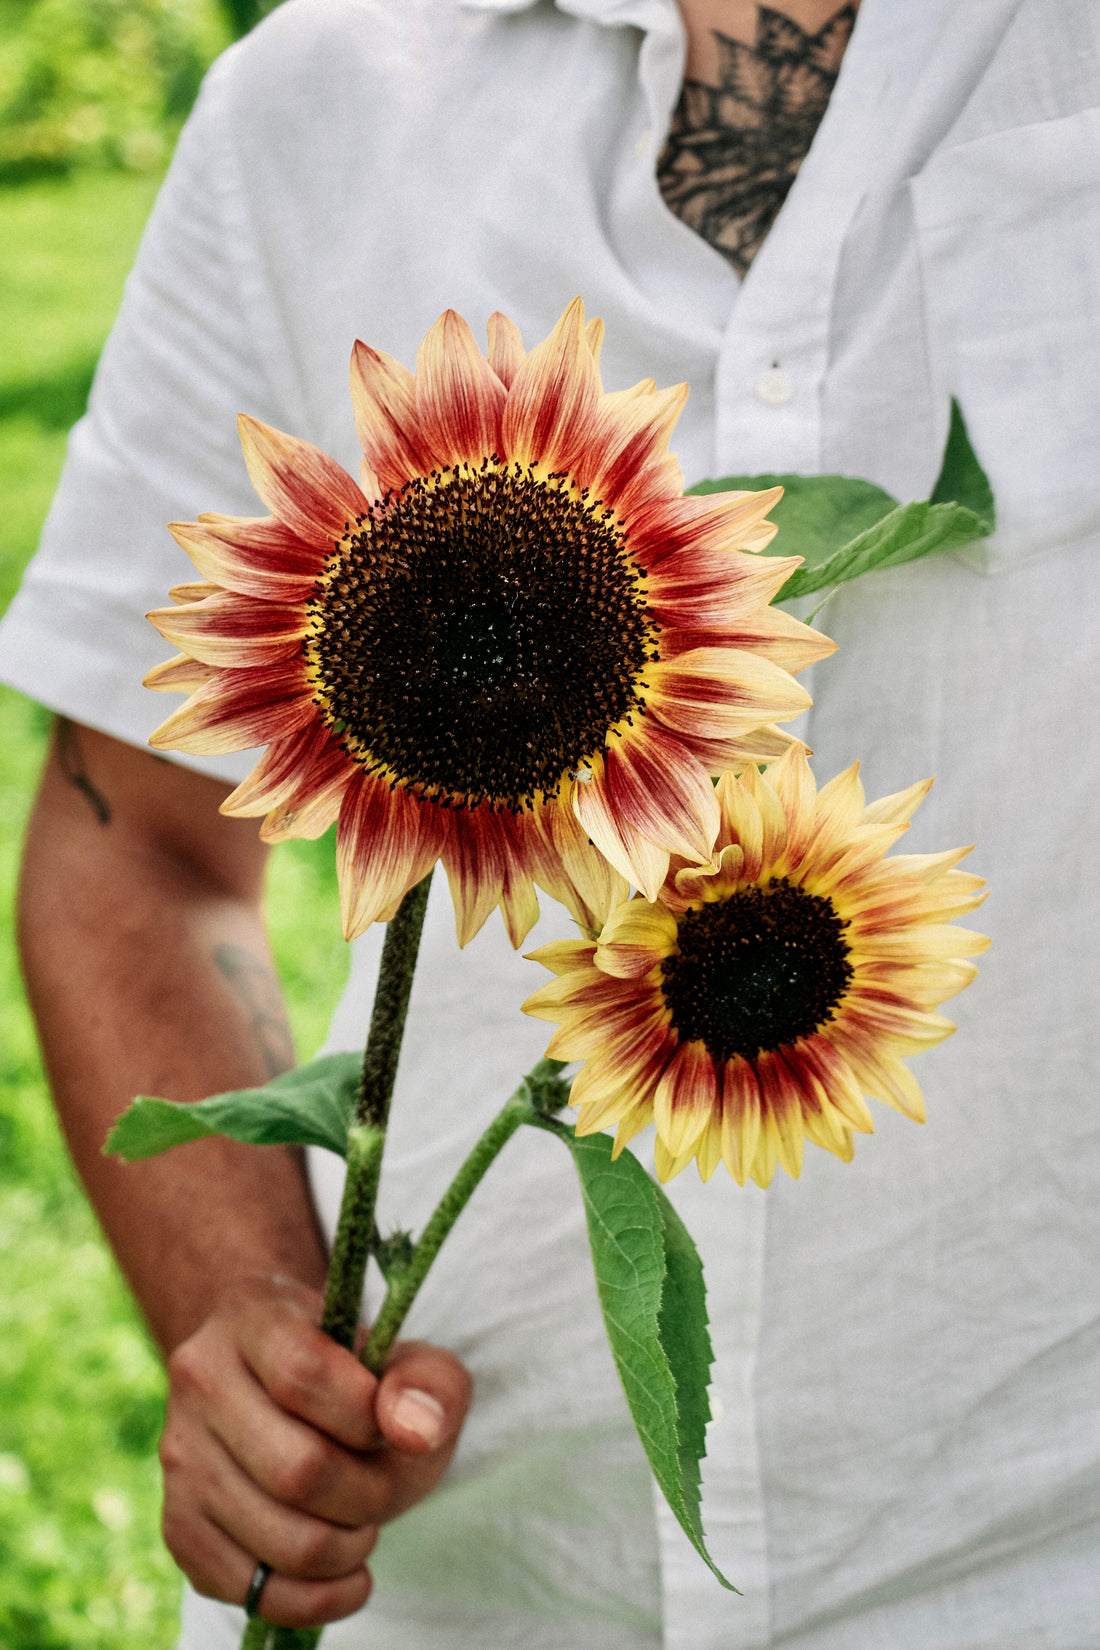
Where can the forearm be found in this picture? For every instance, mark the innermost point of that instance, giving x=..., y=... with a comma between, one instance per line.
x=150, y=974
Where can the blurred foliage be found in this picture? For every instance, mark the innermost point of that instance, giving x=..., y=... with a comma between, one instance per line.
x=101, y=82
x=81, y=1388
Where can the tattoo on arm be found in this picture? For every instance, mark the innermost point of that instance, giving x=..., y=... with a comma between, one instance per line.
x=70, y=756
x=734, y=149
x=258, y=990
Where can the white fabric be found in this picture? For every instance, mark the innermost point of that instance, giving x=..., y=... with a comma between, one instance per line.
x=908, y=1447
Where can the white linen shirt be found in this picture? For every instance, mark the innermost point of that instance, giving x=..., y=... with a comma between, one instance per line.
x=906, y=1444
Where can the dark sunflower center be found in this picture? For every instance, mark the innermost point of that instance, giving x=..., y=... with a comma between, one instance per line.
x=479, y=635
x=756, y=971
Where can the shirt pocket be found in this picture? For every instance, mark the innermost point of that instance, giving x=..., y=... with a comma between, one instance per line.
x=1008, y=228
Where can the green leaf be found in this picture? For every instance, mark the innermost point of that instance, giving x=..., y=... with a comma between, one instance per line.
x=650, y=1284
x=961, y=479
x=906, y=534
x=816, y=515
x=310, y=1106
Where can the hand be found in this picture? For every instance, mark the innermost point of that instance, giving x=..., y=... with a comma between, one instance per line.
x=279, y=1446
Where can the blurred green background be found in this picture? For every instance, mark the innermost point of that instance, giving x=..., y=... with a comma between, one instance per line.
x=92, y=94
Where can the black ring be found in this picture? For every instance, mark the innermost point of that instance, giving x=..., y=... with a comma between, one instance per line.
x=255, y=1588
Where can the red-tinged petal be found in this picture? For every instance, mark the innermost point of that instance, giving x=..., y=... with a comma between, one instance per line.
x=459, y=398
x=651, y=793
x=552, y=399
x=234, y=631
x=506, y=351
x=635, y=939
x=260, y=558
x=716, y=521
x=386, y=842
x=237, y=709
x=476, y=857
x=383, y=398
x=925, y=943
x=617, y=1032
x=874, y=1018
x=686, y=1098
x=566, y=864
x=781, y=1100
x=827, y=1064
x=717, y=590
x=294, y=771
x=770, y=631
x=179, y=675
x=519, y=905
x=741, y=1114
x=613, y=1082
x=792, y=781
x=764, y=744
x=304, y=487
x=627, y=455
x=884, y=1078
x=720, y=693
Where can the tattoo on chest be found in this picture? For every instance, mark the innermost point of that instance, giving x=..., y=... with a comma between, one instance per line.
x=734, y=149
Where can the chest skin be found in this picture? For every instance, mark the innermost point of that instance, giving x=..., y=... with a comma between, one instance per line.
x=757, y=83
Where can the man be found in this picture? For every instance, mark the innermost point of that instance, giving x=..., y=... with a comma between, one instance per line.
x=906, y=1447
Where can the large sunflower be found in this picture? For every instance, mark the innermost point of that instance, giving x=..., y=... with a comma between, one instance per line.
x=763, y=995
x=515, y=639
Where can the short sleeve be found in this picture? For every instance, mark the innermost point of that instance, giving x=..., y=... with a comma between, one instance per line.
x=158, y=443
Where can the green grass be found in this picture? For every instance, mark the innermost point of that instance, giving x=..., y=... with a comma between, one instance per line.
x=81, y=1391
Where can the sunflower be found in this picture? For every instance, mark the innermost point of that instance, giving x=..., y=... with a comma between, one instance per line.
x=514, y=639
x=761, y=996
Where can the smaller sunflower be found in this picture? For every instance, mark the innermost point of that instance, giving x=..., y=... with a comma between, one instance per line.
x=761, y=996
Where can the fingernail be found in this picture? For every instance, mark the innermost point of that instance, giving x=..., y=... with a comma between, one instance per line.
x=419, y=1412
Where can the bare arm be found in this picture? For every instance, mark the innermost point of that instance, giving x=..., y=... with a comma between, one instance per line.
x=148, y=971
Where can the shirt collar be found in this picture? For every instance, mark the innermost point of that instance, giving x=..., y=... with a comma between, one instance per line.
x=645, y=14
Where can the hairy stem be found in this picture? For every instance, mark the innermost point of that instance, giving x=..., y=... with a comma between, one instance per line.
x=366, y=1138
x=367, y=1134
x=541, y=1091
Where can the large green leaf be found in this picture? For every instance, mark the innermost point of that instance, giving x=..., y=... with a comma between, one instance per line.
x=650, y=1284
x=817, y=514
x=843, y=527
x=906, y=534
x=310, y=1106
x=961, y=479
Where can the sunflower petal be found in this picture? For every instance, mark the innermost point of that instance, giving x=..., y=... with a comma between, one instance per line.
x=386, y=842
x=300, y=484
x=459, y=398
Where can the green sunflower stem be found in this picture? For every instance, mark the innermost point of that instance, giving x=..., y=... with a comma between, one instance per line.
x=366, y=1139
x=367, y=1134
x=542, y=1091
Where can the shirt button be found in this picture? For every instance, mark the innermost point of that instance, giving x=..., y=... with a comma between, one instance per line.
x=641, y=148
x=774, y=388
